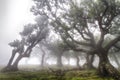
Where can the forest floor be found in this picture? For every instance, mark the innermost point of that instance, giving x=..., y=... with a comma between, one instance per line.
x=48, y=75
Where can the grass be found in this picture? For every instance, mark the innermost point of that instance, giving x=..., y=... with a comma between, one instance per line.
x=47, y=75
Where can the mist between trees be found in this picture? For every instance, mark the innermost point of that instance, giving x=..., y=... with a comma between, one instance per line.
x=83, y=30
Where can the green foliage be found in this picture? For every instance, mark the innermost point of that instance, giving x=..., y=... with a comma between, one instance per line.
x=31, y=38
x=15, y=43
x=28, y=29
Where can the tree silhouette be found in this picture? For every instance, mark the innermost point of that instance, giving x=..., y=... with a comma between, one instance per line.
x=31, y=35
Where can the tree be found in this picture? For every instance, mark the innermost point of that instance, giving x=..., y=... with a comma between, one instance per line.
x=89, y=61
x=57, y=48
x=77, y=59
x=75, y=55
x=42, y=54
x=68, y=55
x=31, y=36
x=77, y=24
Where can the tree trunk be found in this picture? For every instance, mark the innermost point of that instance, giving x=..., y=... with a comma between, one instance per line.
x=42, y=60
x=43, y=57
x=59, y=60
x=78, y=61
x=9, y=65
x=11, y=59
x=89, y=62
x=15, y=64
x=105, y=69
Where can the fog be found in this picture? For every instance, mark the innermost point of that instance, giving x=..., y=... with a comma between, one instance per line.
x=14, y=14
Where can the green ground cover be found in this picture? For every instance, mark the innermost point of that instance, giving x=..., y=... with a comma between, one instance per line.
x=47, y=75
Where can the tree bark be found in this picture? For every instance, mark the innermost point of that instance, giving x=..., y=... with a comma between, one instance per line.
x=15, y=64
x=91, y=62
x=105, y=69
x=11, y=59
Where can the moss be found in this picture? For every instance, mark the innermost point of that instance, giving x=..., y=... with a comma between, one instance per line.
x=46, y=75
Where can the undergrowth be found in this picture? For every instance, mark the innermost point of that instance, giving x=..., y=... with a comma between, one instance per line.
x=47, y=75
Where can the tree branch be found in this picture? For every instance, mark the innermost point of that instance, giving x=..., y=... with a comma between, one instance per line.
x=72, y=46
x=112, y=43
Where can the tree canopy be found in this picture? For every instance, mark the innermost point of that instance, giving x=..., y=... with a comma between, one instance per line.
x=79, y=24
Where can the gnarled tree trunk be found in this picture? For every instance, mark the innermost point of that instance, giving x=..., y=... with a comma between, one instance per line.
x=105, y=68
x=11, y=59
x=15, y=64
x=9, y=65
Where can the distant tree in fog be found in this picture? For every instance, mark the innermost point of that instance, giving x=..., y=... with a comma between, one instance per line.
x=31, y=35
x=56, y=48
